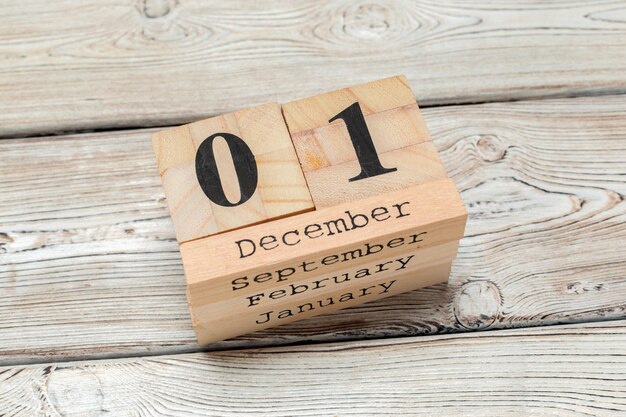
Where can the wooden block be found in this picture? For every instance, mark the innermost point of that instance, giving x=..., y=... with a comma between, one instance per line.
x=211, y=166
x=261, y=249
x=362, y=141
x=262, y=276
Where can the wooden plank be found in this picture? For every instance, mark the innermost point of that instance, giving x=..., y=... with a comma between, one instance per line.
x=90, y=266
x=123, y=63
x=577, y=370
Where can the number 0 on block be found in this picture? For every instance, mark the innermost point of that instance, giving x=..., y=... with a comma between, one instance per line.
x=230, y=171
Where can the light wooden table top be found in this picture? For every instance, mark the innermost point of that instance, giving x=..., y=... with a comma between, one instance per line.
x=525, y=102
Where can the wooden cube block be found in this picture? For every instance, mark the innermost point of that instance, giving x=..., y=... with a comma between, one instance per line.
x=362, y=141
x=386, y=218
x=211, y=166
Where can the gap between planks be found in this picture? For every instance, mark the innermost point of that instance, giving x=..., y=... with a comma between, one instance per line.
x=303, y=345
x=425, y=104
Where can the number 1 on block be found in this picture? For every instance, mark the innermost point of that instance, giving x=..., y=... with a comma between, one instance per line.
x=362, y=141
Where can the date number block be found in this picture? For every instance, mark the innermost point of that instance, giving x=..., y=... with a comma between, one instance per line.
x=230, y=171
x=362, y=141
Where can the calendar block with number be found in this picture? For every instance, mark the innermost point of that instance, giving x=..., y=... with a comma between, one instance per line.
x=283, y=213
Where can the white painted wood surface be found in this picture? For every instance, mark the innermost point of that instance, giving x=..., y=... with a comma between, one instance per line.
x=577, y=370
x=90, y=269
x=89, y=266
x=119, y=63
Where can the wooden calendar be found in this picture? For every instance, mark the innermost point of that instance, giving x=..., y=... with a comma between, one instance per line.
x=286, y=212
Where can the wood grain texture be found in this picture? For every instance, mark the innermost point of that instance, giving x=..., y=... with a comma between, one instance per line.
x=89, y=265
x=68, y=66
x=577, y=370
x=335, y=169
x=279, y=188
x=390, y=130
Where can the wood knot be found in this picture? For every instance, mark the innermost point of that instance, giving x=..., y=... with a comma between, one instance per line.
x=315, y=161
x=5, y=240
x=583, y=287
x=367, y=21
x=490, y=148
x=154, y=9
x=74, y=389
x=477, y=304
